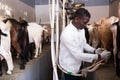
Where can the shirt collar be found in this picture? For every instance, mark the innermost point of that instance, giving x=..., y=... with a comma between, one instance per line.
x=72, y=26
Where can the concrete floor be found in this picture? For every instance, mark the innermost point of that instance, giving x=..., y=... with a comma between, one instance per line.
x=17, y=72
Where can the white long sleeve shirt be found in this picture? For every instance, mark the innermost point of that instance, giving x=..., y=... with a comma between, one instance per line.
x=72, y=47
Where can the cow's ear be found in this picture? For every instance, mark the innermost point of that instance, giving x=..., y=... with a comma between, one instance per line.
x=8, y=23
x=101, y=21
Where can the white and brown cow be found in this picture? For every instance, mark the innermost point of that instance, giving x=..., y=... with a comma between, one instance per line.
x=98, y=32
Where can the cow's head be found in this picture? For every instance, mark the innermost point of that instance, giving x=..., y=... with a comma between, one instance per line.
x=101, y=21
x=92, y=26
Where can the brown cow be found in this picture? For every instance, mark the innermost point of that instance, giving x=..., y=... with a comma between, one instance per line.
x=98, y=32
x=106, y=36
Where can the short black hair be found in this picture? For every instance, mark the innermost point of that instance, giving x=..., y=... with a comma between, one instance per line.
x=81, y=12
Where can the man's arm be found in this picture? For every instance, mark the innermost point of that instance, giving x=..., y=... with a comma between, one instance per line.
x=75, y=50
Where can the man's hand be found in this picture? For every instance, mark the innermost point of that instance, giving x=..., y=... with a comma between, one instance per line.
x=98, y=50
x=105, y=54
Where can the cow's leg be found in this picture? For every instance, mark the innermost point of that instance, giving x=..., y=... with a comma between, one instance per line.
x=117, y=66
x=16, y=47
x=40, y=48
x=1, y=68
x=1, y=58
x=9, y=61
x=114, y=33
x=36, y=53
x=118, y=52
x=31, y=49
x=23, y=61
x=117, y=63
x=38, y=45
x=26, y=50
x=24, y=57
x=114, y=53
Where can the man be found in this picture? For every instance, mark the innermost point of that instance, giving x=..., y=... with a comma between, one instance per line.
x=73, y=44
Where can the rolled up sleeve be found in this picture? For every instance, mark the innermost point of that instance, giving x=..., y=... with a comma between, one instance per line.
x=88, y=48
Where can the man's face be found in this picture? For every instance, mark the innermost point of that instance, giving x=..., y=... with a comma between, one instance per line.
x=82, y=22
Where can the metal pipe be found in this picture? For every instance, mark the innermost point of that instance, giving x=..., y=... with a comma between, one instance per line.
x=52, y=19
x=63, y=14
x=57, y=27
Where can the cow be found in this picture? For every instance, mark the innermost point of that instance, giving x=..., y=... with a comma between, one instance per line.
x=35, y=35
x=19, y=39
x=5, y=45
x=47, y=35
x=116, y=43
x=98, y=32
x=106, y=36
